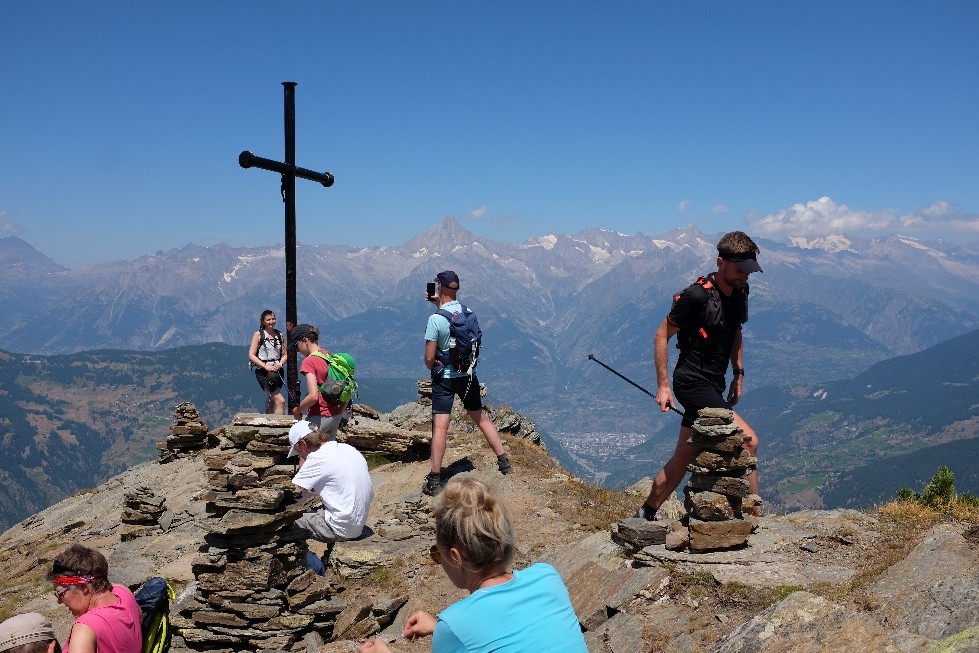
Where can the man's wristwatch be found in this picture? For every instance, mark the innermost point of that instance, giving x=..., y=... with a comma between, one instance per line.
x=737, y=371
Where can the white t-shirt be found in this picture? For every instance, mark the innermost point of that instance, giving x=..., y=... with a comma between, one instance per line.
x=338, y=473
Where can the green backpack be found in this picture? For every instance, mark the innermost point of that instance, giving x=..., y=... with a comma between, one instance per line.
x=339, y=386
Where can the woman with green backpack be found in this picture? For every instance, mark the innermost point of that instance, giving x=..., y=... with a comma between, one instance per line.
x=323, y=402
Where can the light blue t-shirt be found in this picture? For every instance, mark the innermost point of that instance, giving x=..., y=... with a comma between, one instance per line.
x=531, y=612
x=437, y=329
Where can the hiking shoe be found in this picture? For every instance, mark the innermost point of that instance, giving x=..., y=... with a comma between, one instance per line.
x=645, y=512
x=432, y=484
x=504, y=464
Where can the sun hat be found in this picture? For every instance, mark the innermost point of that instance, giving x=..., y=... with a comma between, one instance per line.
x=25, y=629
x=747, y=263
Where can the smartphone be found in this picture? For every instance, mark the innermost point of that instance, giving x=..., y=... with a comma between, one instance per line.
x=430, y=289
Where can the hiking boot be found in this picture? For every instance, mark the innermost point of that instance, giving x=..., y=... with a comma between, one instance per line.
x=645, y=512
x=504, y=464
x=432, y=484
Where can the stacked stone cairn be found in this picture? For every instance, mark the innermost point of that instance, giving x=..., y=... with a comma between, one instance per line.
x=253, y=591
x=717, y=507
x=142, y=513
x=716, y=497
x=187, y=436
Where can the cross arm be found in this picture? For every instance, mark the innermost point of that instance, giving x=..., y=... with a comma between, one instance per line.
x=248, y=160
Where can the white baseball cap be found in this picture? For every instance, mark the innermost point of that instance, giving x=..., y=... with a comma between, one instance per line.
x=296, y=433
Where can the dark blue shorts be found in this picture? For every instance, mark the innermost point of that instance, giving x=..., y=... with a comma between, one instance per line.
x=445, y=390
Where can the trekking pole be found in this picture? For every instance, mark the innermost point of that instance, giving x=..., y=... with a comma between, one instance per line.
x=669, y=405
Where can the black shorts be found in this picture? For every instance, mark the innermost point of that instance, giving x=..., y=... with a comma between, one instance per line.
x=263, y=376
x=445, y=390
x=694, y=396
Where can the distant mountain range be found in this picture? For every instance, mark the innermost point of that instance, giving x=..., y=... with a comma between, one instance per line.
x=822, y=310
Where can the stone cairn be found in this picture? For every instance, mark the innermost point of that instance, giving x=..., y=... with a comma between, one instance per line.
x=142, y=513
x=187, y=436
x=716, y=499
x=253, y=591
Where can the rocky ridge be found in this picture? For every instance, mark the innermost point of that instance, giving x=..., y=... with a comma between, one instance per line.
x=630, y=593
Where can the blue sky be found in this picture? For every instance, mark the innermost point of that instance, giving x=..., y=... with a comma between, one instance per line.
x=122, y=121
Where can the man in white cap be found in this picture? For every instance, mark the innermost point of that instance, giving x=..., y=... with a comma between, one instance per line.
x=338, y=473
x=30, y=632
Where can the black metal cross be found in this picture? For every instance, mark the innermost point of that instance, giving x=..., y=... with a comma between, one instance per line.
x=289, y=172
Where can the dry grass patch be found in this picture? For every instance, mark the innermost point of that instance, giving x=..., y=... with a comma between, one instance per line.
x=903, y=525
x=387, y=579
x=593, y=508
x=530, y=459
x=753, y=599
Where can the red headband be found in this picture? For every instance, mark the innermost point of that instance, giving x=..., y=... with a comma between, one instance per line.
x=72, y=580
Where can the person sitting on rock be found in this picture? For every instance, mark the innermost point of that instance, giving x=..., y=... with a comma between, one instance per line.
x=338, y=473
x=507, y=610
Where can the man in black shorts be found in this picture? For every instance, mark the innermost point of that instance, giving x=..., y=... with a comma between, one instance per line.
x=708, y=336
x=447, y=382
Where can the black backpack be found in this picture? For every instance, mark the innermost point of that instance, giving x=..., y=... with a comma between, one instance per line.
x=261, y=342
x=153, y=599
x=464, y=329
x=713, y=313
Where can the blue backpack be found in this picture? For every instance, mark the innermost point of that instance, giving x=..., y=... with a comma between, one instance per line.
x=464, y=330
x=154, y=599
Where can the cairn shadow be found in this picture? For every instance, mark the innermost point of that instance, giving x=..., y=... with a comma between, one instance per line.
x=457, y=467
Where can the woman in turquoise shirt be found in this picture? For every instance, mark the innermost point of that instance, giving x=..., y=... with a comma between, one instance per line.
x=507, y=610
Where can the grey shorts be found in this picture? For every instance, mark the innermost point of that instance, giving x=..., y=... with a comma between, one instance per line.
x=313, y=526
x=327, y=424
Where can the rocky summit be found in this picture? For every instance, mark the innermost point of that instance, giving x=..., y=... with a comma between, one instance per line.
x=214, y=522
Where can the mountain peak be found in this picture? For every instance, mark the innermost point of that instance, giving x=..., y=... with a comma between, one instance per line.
x=16, y=253
x=442, y=238
x=832, y=244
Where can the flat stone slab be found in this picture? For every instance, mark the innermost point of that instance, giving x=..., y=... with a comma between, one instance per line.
x=773, y=557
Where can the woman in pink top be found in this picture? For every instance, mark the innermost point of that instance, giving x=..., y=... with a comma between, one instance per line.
x=107, y=618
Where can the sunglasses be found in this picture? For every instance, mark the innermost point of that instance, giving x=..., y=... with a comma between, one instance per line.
x=59, y=592
x=436, y=554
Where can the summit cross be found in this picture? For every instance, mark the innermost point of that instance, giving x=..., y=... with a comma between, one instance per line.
x=289, y=172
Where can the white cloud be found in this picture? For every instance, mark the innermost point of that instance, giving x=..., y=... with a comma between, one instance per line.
x=940, y=216
x=476, y=214
x=720, y=208
x=482, y=214
x=8, y=227
x=824, y=217
x=682, y=206
x=818, y=218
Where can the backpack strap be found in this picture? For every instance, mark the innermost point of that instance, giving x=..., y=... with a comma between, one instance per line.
x=262, y=340
x=320, y=354
x=448, y=316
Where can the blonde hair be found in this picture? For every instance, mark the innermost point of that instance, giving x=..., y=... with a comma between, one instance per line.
x=469, y=517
